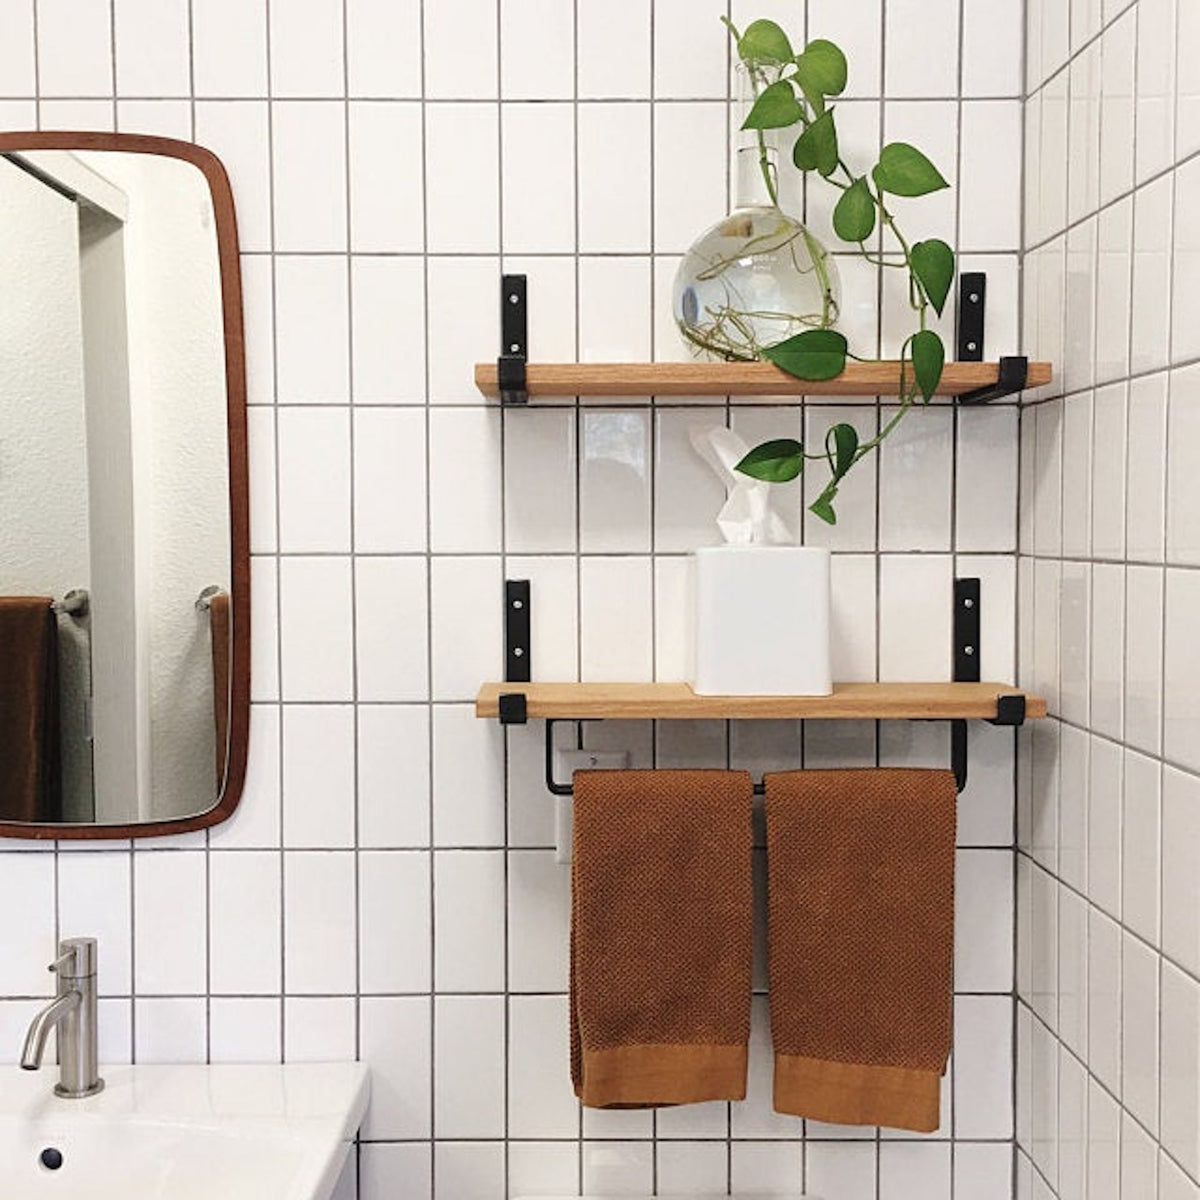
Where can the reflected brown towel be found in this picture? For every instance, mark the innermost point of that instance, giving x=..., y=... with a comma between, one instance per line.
x=218, y=619
x=660, y=937
x=30, y=769
x=861, y=943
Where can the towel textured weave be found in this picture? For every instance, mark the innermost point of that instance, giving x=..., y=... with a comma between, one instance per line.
x=661, y=938
x=861, y=942
x=30, y=770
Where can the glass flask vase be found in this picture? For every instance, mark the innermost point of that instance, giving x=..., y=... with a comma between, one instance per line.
x=758, y=276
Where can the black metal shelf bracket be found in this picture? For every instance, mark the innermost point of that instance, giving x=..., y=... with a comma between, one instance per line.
x=966, y=666
x=1010, y=710
x=1014, y=372
x=966, y=630
x=970, y=331
x=517, y=665
x=517, y=626
x=972, y=316
x=514, y=340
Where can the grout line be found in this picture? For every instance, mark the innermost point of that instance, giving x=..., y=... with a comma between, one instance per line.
x=1128, y=395
x=35, y=48
x=637, y=255
x=955, y=428
x=459, y=993
x=355, y=724
x=688, y=1138
x=653, y=431
x=879, y=468
x=112, y=50
x=943, y=551
x=502, y=420
x=208, y=893
x=429, y=630
x=278, y=541
x=580, y=427
x=439, y=101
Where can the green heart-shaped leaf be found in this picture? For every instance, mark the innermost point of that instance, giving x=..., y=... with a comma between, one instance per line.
x=776, y=108
x=817, y=148
x=814, y=354
x=764, y=42
x=775, y=462
x=904, y=171
x=822, y=506
x=821, y=67
x=928, y=358
x=816, y=101
x=933, y=265
x=854, y=214
x=841, y=445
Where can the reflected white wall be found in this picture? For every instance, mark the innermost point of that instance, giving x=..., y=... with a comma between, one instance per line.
x=43, y=449
x=177, y=401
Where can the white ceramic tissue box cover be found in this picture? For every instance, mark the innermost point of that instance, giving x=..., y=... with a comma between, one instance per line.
x=761, y=618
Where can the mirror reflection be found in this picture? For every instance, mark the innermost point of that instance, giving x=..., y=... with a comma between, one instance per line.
x=114, y=490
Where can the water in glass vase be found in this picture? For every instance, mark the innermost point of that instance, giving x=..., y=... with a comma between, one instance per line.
x=758, y=276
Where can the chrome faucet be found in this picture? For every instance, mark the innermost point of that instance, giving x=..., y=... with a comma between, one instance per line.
x=73, y=1010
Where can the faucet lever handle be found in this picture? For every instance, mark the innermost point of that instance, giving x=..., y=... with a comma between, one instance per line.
x=77, y=958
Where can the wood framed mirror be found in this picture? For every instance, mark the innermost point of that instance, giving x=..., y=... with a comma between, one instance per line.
x=125, y=548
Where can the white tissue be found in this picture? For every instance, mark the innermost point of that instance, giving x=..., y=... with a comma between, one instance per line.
x=747, y=518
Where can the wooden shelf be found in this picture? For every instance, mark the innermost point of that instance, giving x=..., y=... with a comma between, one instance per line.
x=739, y=379
x=850, y=701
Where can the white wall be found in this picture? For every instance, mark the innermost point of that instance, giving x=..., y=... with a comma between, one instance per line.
x=44, y=543
x=44, y=471
x=1108, y=892
x=181, y=477
x=388, y=888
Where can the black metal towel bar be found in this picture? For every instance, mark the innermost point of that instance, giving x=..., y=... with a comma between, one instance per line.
x=1010, y=709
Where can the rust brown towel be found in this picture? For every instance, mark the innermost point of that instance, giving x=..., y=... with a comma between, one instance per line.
x=218, y=619
x=860, y=935
x=30, y=772
x=661, y=937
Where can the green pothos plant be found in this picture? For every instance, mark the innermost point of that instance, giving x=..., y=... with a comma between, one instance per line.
x=793, y=90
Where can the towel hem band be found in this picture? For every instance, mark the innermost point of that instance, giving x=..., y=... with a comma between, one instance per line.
x=648, y=1075
x=857, y=1093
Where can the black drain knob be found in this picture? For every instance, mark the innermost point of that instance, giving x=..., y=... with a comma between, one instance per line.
x=51, y=1158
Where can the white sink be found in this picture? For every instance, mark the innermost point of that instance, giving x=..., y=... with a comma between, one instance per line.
x=183, y=1132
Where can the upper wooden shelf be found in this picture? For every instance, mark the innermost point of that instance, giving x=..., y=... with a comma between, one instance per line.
x=738, y=379
x=850, y=701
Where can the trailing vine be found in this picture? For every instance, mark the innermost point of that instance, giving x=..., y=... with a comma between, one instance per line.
x=793, y=90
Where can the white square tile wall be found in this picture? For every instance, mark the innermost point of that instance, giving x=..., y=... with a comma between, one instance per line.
x=1109, y=834
x=387, y=889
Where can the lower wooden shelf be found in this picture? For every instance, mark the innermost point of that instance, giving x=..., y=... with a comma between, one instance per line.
x=849, y=701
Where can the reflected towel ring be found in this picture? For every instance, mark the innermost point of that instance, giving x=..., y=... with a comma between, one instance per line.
x=76, y=603
x=204, y=600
